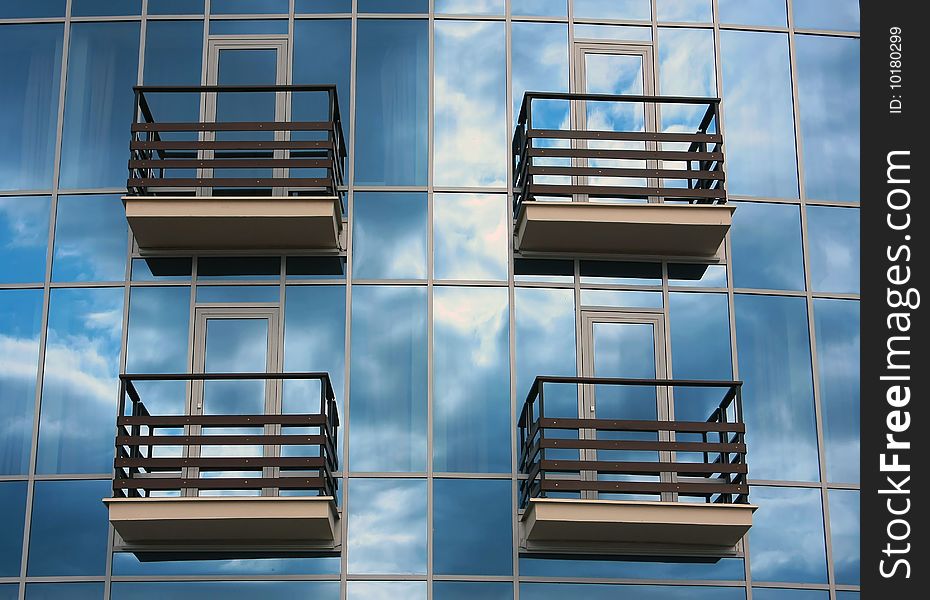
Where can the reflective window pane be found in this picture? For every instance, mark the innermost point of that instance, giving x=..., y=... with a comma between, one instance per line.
x=539, y=57
x=471, y=233
x=559, y=591
x=175, y=7
x=621, y=298
x=761, y=157
x=778, y=404
x=386, y=590
x=833, y=248
x=470, y=142
x=389, y=235
x=12, y=523
x=158, y=330
x=323, y=6
x=766, y=246
x=844, y=532
x=545, y=335
x=471, y=380
x=393, y=6
x=23, y=238
x=786, y=540
x=31, y=59
x=126, y=563
x=387, y=421
x=248, y=27
x=33, y=8
x=229, y=590
x=759, y=593
x=639, y=10
x=686, y=68
x=697, y=275
x=462, y=590
x=828, y=94
x=469, y=7
x=620, y=272
x=64, y=591
x=685, y=11
x=79, y=390
x=246, y=268
x=826, y=14
x=617, y=568
x=102, y=8
x=9, y=591
x=241, y=7
x=20, y=323
x=700, y=336
x=90, y=239
x=387, y=526
x=161, y=269
x=753, y=12
x=69, y=510
x=392, y=92
x=225, y=294
x=545, y=8
x=312, y=39
x=173, y=56
x=837, y=331
x=472, y=526
x=101, y=72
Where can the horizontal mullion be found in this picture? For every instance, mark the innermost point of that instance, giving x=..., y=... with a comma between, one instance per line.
x=644, y=487
x=230, y=145
x=624, y=154
x=307, y=420
x=643, y=425
x=635, y=136
x=632, y=468
x=258, y=182
x=221, y=440
x=623, y=172
x=610, y=191
x=225, y=483
x=657, y=446
x=223, y=462
x=231, y=163
x=237, y=126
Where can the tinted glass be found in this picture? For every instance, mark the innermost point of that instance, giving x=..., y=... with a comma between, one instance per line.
x=23, y=238
x=230, y=590
x=622, y=273
x=472, y=527
x=248, y=27
x=79, y=389
x=257, y=267
x=69, y=510
x=470, y=142
x=161, y=269
x=20, y=322
x=761, y=157
x=618, y=298
x=389, y=235
x=545, y=336
x=312, y=39
x=837, y=331
x=460, y=590
x=12, y=522
x=697, y=275
x=323, y=6
x=470, y=236
x=94, y=8
x=786, y=540
x=101, y=72
x=469, y=7
x=826, y=14
x=392, y=89
x=387, y=526
x=386, y=590
x=173, y=55
x=828, y=94
x=126, y=563
x=686, y=68
x=387, y=423
x=175, y=7
x=31, y=59
x=225, y=294
x=64, y=591
x=393, y=6
x=613, y=9
x=158, y=330
x=33, y=8
x=618, y=568
x=686, y=11
x=833, y=248
x=9, y=591
x=233, y=7
x=788, y=594
x=90, y=239
x=753, y=12
x=558, y=591
x=766, y=246
x=775, y=366
x=844, y=532
x=555, y=8
x=539, y=57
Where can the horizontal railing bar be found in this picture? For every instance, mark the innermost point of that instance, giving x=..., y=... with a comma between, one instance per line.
x=642, y=425
x=235, y=88
x=224, y=462
x=656, y=446
x=679, y=155
x=231, y=163
x=250, y=182
x=209, y=483
x=634, y=136
x=231, y=145
x=544, y=189
x=632, y=468
x=719, y=383
x=634, y=487
x=237, y=126
x=221, y=440
x=306, y=420
x=620, y=172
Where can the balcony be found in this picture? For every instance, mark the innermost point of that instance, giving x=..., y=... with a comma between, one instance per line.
x=604, y=485
x=222, y=483
x=223, y=184
x=618, y=186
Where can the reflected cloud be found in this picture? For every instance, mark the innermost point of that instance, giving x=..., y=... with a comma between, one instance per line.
x=787, y=538
x=470, y=236
x=389, y=235
x=90, y=239
x=545, y=335
x=387, y=526
x=833, y=245
x=766, y=241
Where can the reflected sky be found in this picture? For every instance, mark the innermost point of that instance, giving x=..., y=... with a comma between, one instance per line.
x=685, y=11
x=539, y=56
x=753, y=12
x=386, y=590
x=837, y=331
x=470, y=95
x=229, y=590
x=559, y=591
x=471, y=233
x=34, y=8
x=827, y=14
x=20, y=318
x=90, y=239
x=94, y=8
x=12, y=522
x=786, y=540
x=471, y=418
x=389, y=235
x=469, y=7
x=766, y=246
x=82, y=520
x=175, y=7
x=833, y=248
x=240, y=7
x=545, y=335
x=64, y=591
x=844, y=532
x=462, y=590
x=546, y=8
x=393, y=6
x=686, y=68
x=80, y=385
x=757, y=108
x=314, y=336
x=638, y=10
x=126, y=563
x=472, y=527
x=388, y=406
x=828, y=95
x=313, y=39
x=593, y=31
x=759, y=593
x=31, y=58
x=158, y=330
x=387, y=526
x=23, y=237
x=617, y=568
x=778, y=403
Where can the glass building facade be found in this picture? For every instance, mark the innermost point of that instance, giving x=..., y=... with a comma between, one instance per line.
x=430, y=327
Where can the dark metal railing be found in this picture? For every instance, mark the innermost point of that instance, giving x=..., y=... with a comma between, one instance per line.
x=141, y=467
x=696, y=459
x=583, y=153
x=154, y=161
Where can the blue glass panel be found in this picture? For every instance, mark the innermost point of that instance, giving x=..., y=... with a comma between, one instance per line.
x=246, y=268
x=90, y=239
x=630, y=10
x=312, y=39
x=766, y=246
x=78, y=414
x=102, y=63
x=543, y=270
x=64, y=591
x=539, y=57
x=468, y=590
x=844, y=532
x=788, y=594
x=125, y=563
x=238, y=293
x=173, y=56
x=316, y=267
x=23, y=238
x=775, y=366
x=621, y=273
x=833, y=248
x=229, y=590
x=697, y=275
x=826, y=14
x=323, y=6
x=248, y=27
x=471, y=418
x=98, y=8
x=545, y=8
x=387, y=423
x=828, y=94
x=33, y=8
x=761, y=156
x=389, y=235
x=686, y=66
x=247, y=7
x=545, y=338
x=612, y=32
x=471, y=233
x=158, y=330
x=469, y=7
x=472, y=526
x=393, y=6
x=559, y=591
x=31, y=58
x=837, y=331
x=392, y=91
x=786, y=540
x=470, y=89
x=685, y=11
x=12, y=522
x=20, y=323
x=72, y=511
x=619, y=568
x=847, y=595
x=161, y=269
x=621, y=298
x=386, y=590
x=175, y=7
x=387, y=526
x=753, y=12
x=9, y=591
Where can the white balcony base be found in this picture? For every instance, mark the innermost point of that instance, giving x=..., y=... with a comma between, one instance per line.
x=225, y=522
x=658, y=229
x=619, y=526
x=162, y=223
